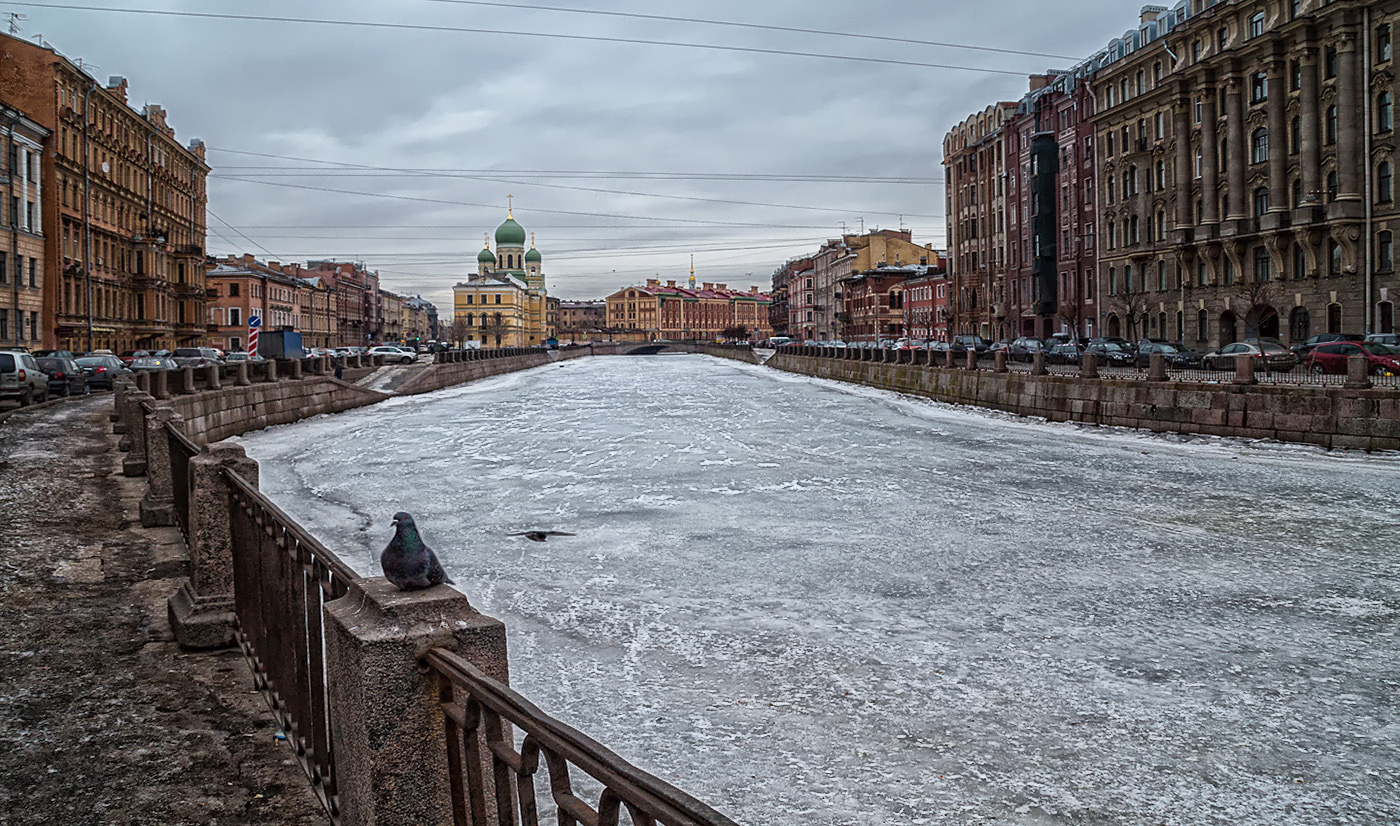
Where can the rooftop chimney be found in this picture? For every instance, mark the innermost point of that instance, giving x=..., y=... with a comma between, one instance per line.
x=670, y=283
x=1151, y=13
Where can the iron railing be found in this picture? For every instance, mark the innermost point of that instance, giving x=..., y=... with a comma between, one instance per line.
x=282, y=577
x=480, y=715
x=182, y=449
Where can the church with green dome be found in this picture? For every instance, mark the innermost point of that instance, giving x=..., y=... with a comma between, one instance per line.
x=505, y=304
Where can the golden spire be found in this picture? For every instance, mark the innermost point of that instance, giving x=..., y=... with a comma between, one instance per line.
x=532, y=240
x=692, y=270
x=488, y=239
x=510, y=206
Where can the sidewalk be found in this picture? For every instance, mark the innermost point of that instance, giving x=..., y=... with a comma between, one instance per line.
x=103, y=720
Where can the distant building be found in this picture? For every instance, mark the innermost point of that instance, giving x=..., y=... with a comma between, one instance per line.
x=708, y=312
x=582, y=320
x=926, y=306
x=873, y=301
x=420, y=320
x=505, y=304
x=242, y=287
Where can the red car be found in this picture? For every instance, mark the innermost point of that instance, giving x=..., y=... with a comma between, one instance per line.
x=1382, y=359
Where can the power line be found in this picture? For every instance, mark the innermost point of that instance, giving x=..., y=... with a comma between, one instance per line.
x=758, y=26
x=514, y=174
x=239, y=232
x=887, y=61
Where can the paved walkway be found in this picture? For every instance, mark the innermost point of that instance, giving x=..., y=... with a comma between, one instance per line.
x=103, y=720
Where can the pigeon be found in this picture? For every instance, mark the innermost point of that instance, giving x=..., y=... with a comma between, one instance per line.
x=539, y=536
x=407, y=562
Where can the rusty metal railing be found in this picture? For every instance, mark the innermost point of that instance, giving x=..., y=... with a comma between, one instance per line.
x=282, y=578
x=182, y=450
x=480, y=715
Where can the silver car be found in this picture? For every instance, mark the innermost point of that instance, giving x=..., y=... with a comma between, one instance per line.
x=21, y=378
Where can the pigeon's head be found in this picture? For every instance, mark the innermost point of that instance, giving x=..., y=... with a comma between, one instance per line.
x=402, y=519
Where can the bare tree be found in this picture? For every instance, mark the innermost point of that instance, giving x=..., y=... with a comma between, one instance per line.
x=1071, y=313
x=1252, y=295
x=459, y=330
x=1133, y=307
x=736, y=333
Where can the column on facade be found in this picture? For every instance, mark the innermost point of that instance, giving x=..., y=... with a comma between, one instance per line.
x=1349, y=126
x=1210, y=156
x=1278, y=139
x=1237, y=156
x=1311, y=135
x=1181, y=132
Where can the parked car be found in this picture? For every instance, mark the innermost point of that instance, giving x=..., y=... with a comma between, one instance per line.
x=1025, y=348
x=1110, y=353
x=21, y=378
x=1269, y=354
x=63, y=354
x=1064, y=354
x=961, y=344
x=151, y=363
x=197, y=356
x=235, y=358
x=65, y=376
x=1382, y=359
x=1177, y=355
x=393, y=354
x=1302, y=350
x=103, y=371
x=1389, y=339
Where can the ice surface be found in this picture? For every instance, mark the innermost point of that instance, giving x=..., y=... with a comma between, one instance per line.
x=812, y=603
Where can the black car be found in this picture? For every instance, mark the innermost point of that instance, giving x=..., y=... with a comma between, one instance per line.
x=1177, y=355
x=1110, y=353
x=1025, y=348
x=65, y=376
x=961, y=344
x=102, y=371
x=1064, y=354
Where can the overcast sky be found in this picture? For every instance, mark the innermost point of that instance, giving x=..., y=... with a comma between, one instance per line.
x=488, y=113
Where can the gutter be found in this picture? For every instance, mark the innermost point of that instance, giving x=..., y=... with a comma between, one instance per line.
x=1368, y=198
x=87, y=205
x=14, y=236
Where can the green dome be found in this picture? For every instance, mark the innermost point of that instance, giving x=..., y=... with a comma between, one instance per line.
x=532, y=256
x=485, y=257
x=510, y=234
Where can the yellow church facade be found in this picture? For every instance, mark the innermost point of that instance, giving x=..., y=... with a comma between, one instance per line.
x=505, y=304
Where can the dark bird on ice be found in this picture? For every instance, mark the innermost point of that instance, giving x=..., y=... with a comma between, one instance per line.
x=407, y=562
x=539, y=536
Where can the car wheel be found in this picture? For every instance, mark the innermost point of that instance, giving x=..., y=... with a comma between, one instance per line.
x=26, y=398
x=1380, y=370
x=1318, y=369
x=406, y=360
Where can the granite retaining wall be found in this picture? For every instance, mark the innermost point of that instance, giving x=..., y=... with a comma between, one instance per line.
x=1329, y=416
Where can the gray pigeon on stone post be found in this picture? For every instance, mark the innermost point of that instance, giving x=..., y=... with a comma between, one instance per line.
x=407, y=561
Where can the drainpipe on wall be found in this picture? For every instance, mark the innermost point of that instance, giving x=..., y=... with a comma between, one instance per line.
x=14, y=232
x=1366, y=176
x=87, y=206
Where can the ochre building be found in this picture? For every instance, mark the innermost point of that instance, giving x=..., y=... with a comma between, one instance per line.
x=505, y=304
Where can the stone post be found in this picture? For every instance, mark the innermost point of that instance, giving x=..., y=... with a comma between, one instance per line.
x=388, y=735
x=1038, y=364
x=1358, y=376
x=1244, y=369
x=1089, y=366
x=270, y=370
x=213, y=377
x=160, y=384
x=158, y=505
x=295, y=372
x=134, y=440
x=1000, y=359
x=201, y=612
x=971, y=362
x=143, y=381
x=378, y=361
x=187, y=381
x=950, y=360
x=241, y=377
x=1156, y=367
x=118, y=395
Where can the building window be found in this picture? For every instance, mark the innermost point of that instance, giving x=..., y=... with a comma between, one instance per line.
x=1261, y=264
x=1297, y=192
x=1195, y=51
x=1258, y=87
x=1229, y=269
x=1202, y=276
x=1256, y=25
x=1334, y=259
x=1334, y=318
x=1329, y=62
x=1383, y=42
x=1259, y=146
x=1299, y=324
x=1198, y=108
x=1198, y=163
x=1295, y=75
x=1384, y=251
x=1332, y=185
x=1202, y=325
x=1384, y=112
x=1261, y=202
x=1222, y=39
x=1384, y=182
x=1295, y=136
x=1162, y=281
x=1300, y=264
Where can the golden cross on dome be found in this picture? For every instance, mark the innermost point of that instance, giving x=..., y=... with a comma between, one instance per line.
x=510, y=206
x=532, y=240
x=488, y=239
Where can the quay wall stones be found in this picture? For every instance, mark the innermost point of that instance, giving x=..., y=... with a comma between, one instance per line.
x=214, y=415
x=1328, y=416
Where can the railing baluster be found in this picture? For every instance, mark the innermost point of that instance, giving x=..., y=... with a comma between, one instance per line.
x=457, y=728
x=476, y=780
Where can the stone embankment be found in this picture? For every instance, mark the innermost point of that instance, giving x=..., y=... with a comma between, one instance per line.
x=1333, y=416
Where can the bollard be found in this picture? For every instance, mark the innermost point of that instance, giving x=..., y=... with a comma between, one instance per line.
x=213, y=377
x=295, y=371
x=119, y=389
x=270, y=370
x=134, y=440
x=187, y=381
x=158, y=505
x=1156, y=367
x=971, y=358
x=201, y=611
x=143, y=381
x=1000, y=362
x=949, y=358
x=1244, y=369
x=1358, y=376
x=377, y=361
x=1038, y=364
x=160, y=384
x=389, y=725
x=240, y=378
x=1089, y=366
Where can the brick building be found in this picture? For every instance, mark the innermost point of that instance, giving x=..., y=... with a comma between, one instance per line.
x=655, y=311
x=582, y=320
x=125, y=217
x=23, y=320
x=975, y=171
x=241, y=287
x=925, y=302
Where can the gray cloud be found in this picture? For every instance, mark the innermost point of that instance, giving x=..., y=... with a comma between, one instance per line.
x=434, y=100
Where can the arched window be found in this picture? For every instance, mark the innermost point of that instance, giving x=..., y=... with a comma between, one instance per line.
x=1299, y=325
x=1259, y=146
x=1385, y=317
x=1330, y=131
x=1385, y=250
x=1384, y=182
x=1202, y=326
x=470, y=319
x=1261, y=201
x=1384, y=112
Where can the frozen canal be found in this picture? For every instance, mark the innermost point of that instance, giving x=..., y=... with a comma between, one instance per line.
x=811, y=603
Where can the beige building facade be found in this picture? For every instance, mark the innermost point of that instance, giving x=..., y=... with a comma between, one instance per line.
x=22, y=271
